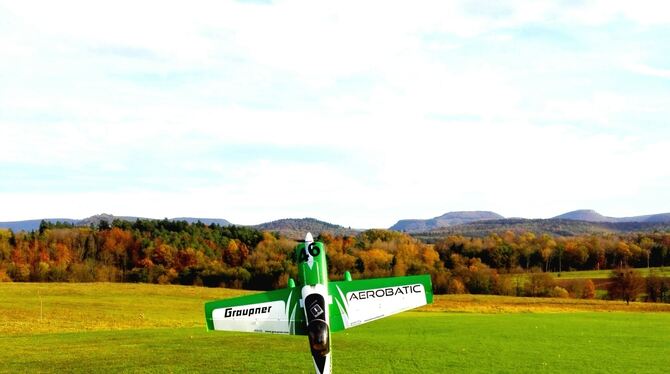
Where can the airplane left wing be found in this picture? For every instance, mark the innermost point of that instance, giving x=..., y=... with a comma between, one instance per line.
x=360, y=301
x=273, y=312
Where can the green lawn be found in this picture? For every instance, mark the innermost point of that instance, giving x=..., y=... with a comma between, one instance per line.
x=170, y=337
x=63, y=307
x=601, y=274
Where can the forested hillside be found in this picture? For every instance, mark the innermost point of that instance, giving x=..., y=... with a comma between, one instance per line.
x=590, y=215
x=554, y=227
x=295, y=228
x=33, y=224
x=242, y=257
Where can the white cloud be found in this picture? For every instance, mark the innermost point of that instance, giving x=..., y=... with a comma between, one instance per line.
x=650, y=71
x=448, y=108
x=599, y=12
x=400, y=170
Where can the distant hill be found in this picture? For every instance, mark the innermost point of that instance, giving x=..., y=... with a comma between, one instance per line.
x=557, y=227
x=206, y=221
x=445, y=220
x=96, y=219
x=471, y=223
x=589, y=215
x=296, y=228
x=663, y=217
x=109, y=218
x=34, y=224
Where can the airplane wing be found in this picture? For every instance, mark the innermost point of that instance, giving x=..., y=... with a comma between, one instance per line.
x=273, y=312
x=360, y=301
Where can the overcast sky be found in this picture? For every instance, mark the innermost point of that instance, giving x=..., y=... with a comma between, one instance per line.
x=359, y=113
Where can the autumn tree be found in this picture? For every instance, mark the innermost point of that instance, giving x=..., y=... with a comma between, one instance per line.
x=339, y=262
x=539, y=283
x=589, y=291
x=503, y=256
x=623, y=252
x=235, y=253
x=475, y=275
x=647, y=245
x=664, y=249
x=547, y=248
x=526, y=247
x=657, y=287
x=376, y=262
x=576, y=252
x=164, y=254
x=625, y=283
x=5, y=248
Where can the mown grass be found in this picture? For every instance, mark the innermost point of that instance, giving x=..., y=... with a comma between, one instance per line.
x=64, y=307
x=511, y=304
x=170, y=337
x=602, y=274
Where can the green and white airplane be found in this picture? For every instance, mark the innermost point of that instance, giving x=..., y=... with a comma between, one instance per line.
x=316, y=306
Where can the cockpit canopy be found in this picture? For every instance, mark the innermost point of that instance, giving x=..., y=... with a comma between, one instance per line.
x=319, y=341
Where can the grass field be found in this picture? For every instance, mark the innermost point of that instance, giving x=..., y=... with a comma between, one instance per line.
x=602, y=274
x=157, y=329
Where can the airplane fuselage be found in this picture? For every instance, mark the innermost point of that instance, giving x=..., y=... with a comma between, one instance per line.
x=315, y=301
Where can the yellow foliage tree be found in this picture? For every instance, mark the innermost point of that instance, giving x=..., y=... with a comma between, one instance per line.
x=377, y=262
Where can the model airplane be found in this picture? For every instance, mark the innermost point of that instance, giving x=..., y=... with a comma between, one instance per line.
x=318, y=307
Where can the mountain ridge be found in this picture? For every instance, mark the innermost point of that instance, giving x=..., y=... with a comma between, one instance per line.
x=589, y=215
x=445, y=220
x=34, y=224
x=456, y=221
x=551, y=226
x=290, y=227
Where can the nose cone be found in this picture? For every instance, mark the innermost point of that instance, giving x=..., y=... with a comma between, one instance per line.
x=320, y=342
x=308, y=238
x=317, y=333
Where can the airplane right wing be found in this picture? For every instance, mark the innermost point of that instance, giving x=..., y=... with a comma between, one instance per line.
x=360, y=301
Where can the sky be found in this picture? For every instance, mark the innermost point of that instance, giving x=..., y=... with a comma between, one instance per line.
x=356, y=113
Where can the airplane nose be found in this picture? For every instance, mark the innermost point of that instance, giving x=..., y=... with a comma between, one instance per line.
x=317, y=332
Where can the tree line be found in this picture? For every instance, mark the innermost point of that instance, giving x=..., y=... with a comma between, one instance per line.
x=176, y=252
x=552, y=253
